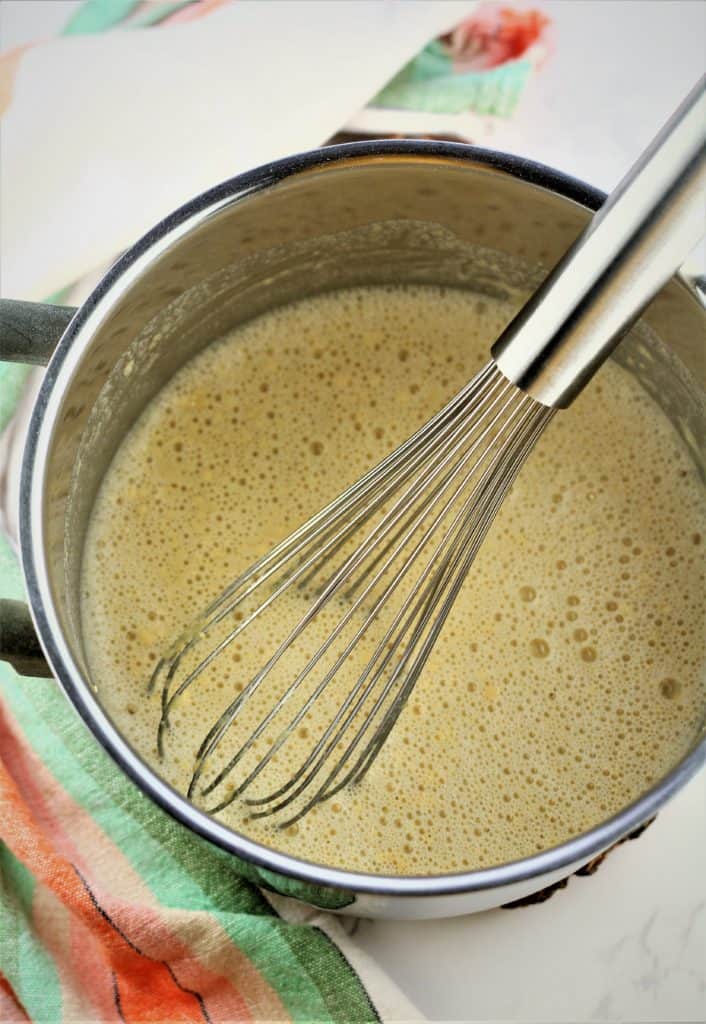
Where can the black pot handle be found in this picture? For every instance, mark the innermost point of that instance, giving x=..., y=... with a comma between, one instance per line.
x=30, y=331
x=18, y=640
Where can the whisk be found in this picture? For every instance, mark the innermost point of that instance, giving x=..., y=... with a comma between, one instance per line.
x=377, y=570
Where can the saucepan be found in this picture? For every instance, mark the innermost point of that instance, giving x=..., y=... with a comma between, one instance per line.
x=366, y=213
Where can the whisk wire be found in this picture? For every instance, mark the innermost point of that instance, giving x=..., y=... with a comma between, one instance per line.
x=463, y=543
x=268, y=565
x=472, y=545
x=391, y=518
x=382, y=598
x=468, y=453
x=319, y=557
x=320, y=522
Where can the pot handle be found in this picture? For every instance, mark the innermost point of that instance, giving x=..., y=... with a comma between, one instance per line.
x=30, y=331
x=18, y=640
x=699, y=283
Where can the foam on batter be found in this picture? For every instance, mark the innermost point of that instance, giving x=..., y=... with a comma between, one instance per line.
x=570, y=675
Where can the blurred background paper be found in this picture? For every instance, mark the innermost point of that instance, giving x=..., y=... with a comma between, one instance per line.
x=101, y=140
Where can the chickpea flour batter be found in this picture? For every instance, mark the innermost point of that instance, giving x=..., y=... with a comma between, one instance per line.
x=570, y=673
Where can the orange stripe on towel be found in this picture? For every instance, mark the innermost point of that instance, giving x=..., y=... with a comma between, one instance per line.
x=143, y=988
x=194, y=11
x=10, y=1010
x=207, y=958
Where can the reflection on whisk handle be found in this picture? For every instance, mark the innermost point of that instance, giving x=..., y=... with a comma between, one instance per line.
x=640, y=237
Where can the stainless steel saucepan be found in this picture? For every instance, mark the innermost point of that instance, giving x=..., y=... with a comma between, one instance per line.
x=366, y=213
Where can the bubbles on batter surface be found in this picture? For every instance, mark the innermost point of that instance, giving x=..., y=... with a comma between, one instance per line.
x=569, y=675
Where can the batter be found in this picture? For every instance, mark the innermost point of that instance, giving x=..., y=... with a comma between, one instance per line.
x=570, y=675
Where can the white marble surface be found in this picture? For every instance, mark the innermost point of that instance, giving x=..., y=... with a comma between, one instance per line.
x=625, y=944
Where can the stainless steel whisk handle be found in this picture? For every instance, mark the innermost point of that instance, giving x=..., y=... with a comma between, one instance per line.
x=633, y=245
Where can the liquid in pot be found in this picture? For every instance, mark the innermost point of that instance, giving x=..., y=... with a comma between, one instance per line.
x=570, y=674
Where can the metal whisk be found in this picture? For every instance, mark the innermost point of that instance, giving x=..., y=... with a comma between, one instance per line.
x=381, y=566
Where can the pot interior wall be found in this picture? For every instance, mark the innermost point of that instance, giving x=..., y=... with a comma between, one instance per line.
x=361, y=221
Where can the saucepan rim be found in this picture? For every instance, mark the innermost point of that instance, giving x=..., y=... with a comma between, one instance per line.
x=136, y=261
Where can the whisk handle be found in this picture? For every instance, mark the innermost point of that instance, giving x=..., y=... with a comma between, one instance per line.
x=633, y=245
